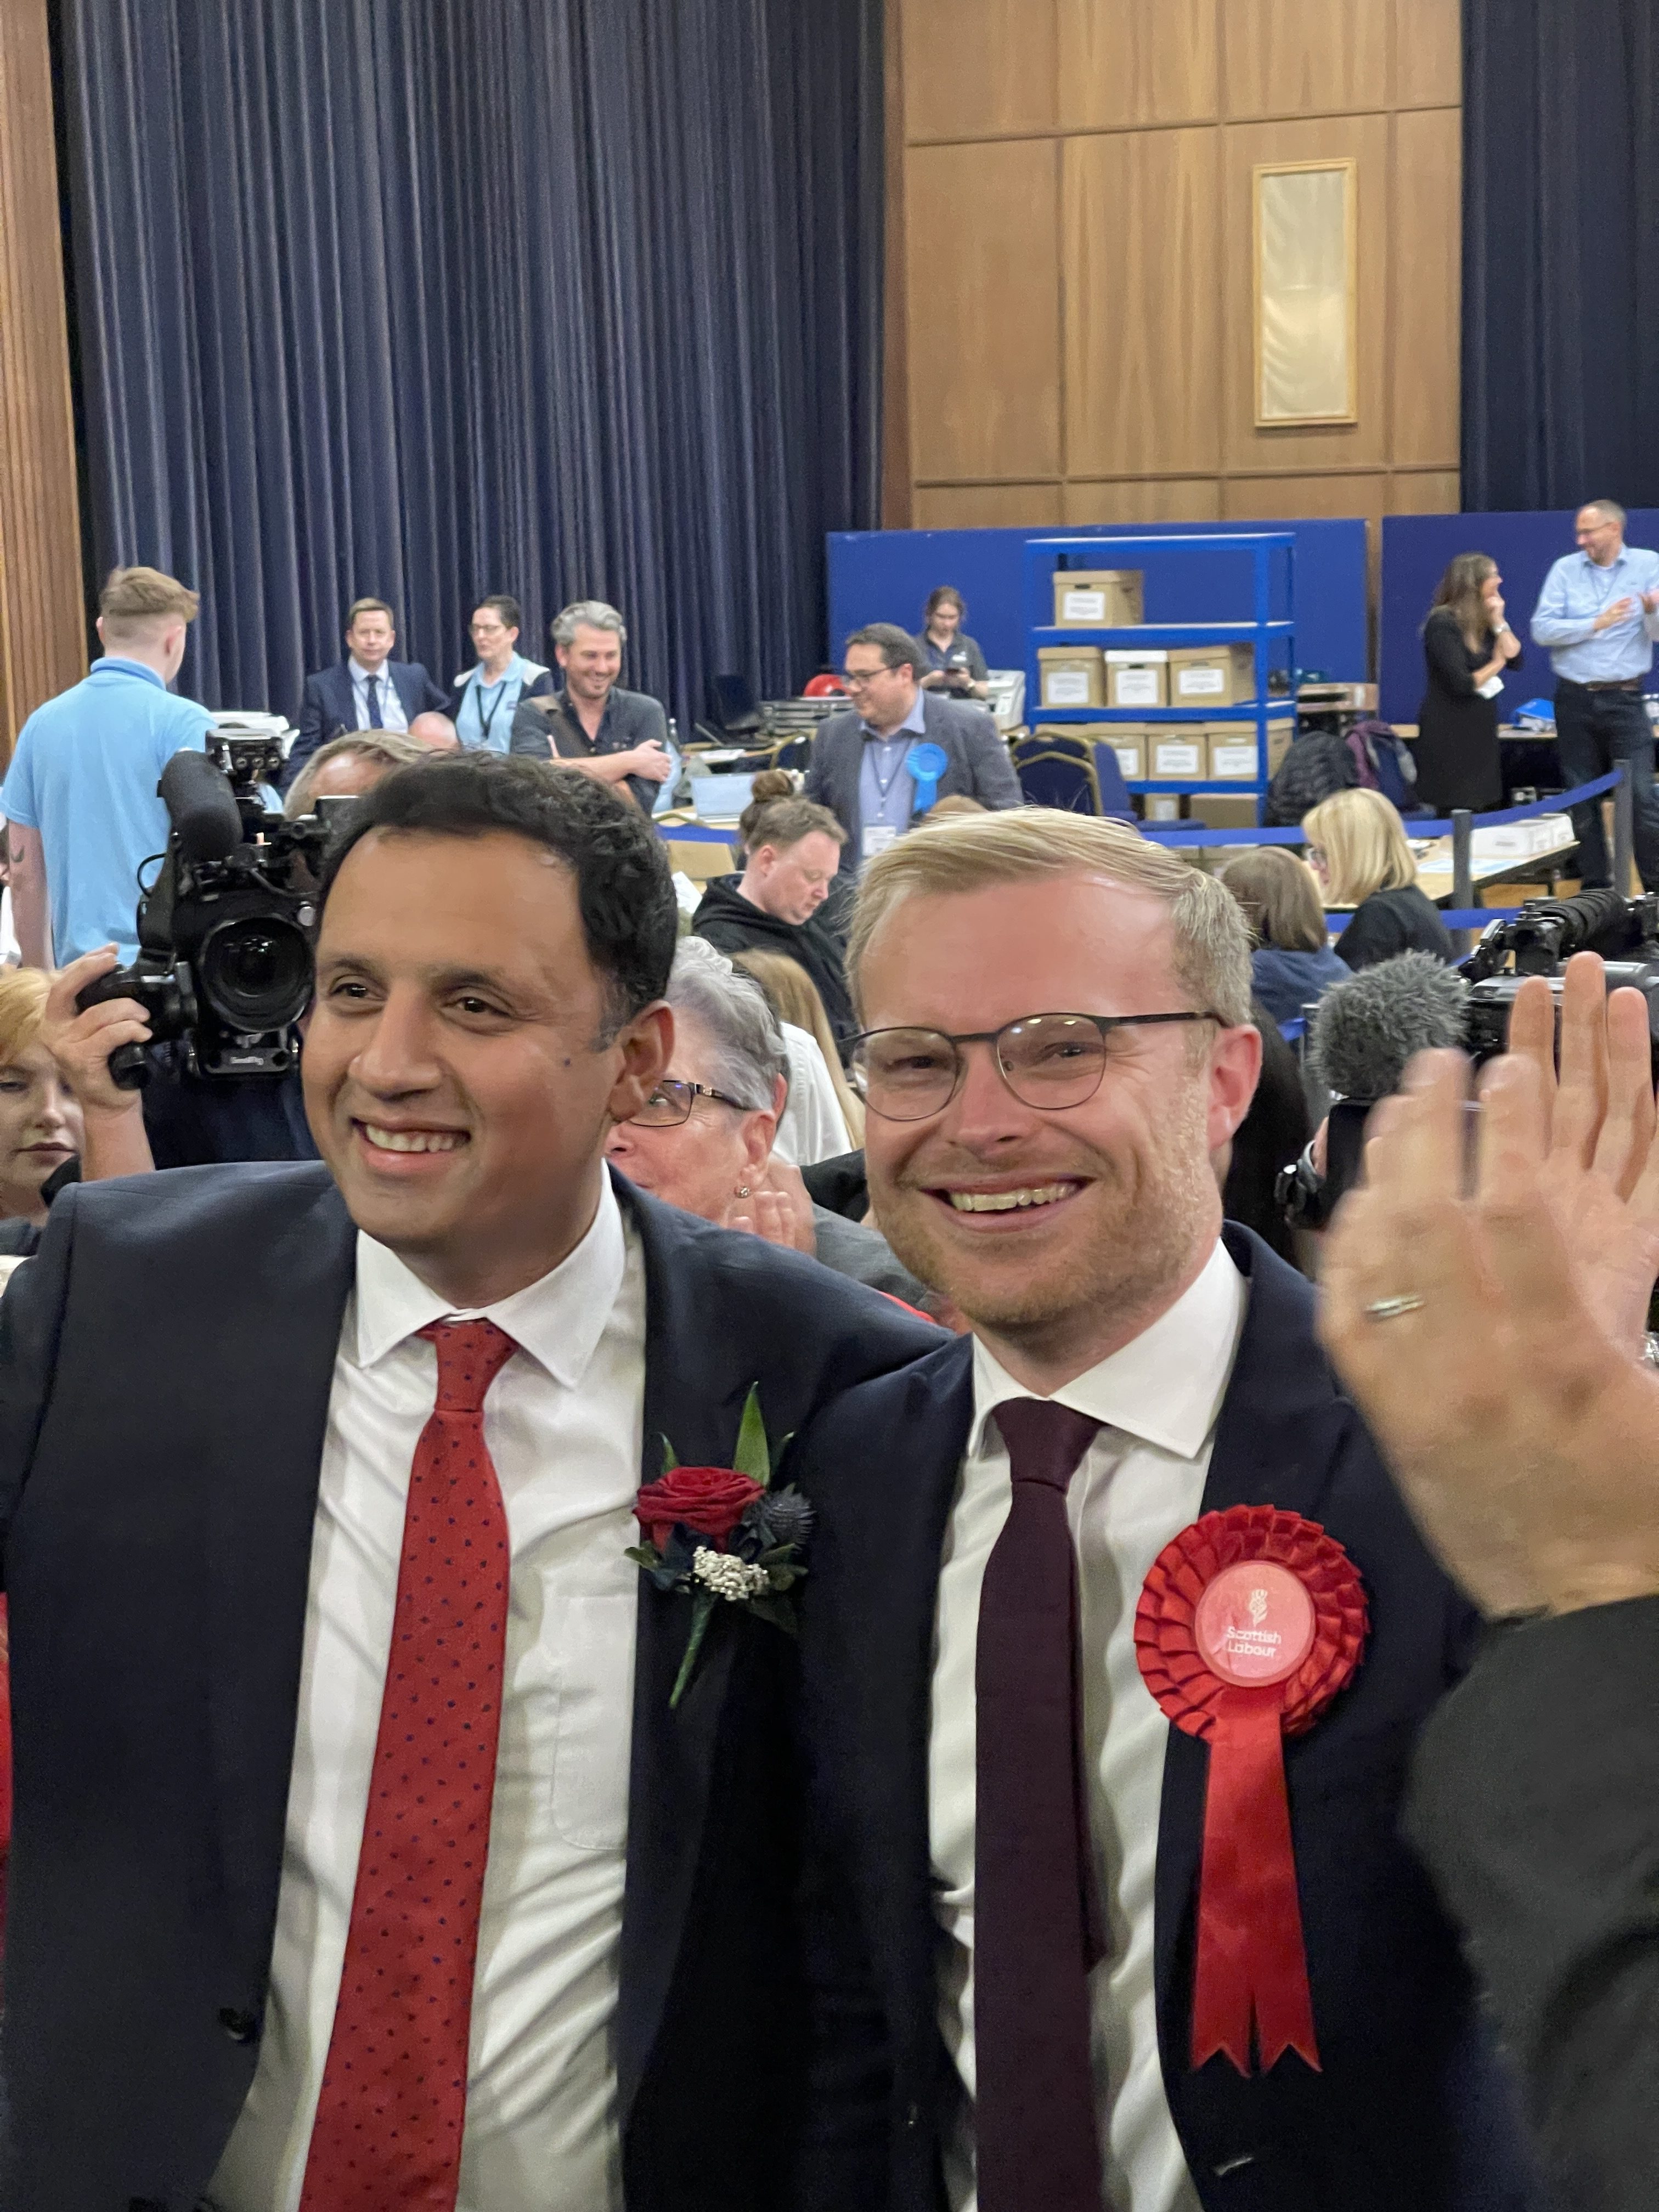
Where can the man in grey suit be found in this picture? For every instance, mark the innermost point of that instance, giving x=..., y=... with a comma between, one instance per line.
x=861, y=767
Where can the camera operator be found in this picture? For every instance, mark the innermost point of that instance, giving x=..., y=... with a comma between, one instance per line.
x=1492, y=1328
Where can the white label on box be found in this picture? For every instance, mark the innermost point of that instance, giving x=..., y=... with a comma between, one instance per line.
x=1083, y=606
x=1065, y=687
x=1173, y=758
x=1233, y=760
x=1162, y=810
x=1194, y=681
x=1128, y=759
x=1137, y=687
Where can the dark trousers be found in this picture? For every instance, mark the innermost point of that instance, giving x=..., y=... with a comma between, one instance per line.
x=1594, y=731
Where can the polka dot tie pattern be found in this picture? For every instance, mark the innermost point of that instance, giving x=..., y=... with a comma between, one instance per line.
x=387, y=2135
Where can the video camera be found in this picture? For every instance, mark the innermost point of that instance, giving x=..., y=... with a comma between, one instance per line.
x=1543, y=938
x=225, y=957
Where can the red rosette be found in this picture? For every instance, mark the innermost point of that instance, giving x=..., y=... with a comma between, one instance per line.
x=1249, y=1623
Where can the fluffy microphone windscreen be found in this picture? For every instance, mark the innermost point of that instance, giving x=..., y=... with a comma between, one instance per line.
x=201, y=806
x=1366, y=1030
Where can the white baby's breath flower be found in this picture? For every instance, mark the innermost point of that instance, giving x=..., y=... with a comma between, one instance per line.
x=726, y=1578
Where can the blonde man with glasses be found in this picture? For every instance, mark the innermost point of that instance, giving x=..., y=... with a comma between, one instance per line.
x=1056, y=1047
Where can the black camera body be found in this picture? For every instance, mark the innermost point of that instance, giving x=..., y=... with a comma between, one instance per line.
x=225, y=962
x=1543, y=938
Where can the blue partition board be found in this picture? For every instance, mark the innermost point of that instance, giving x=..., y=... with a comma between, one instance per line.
x=1415, y=550
x=885, y=575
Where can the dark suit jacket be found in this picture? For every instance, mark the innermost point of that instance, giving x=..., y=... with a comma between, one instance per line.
x=977, y=763
x=165, y=1369
x=330, y=709
x=1410, y=2113
x=1535, y=1802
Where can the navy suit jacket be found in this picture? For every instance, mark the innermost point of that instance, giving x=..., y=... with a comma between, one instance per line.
x=330, y=706
x=976, y=763
x=1411, y=2113
x=164, y=1368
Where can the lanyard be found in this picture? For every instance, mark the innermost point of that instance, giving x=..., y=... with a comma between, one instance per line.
x=897, y=768
x=479, y=688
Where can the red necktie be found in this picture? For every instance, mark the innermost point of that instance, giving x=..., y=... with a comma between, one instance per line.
x=1037, y=1927
x=387, y=2136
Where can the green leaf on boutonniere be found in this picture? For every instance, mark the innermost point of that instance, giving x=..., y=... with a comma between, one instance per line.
x=751, y=1457
x=669, y=1461
x=774, y=1611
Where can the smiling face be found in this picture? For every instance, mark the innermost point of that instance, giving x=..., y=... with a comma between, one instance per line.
x=40, y=1127
x=1598, y=535
x=1060, y=1233
x=454, y=1078
x=591, y=663
x=700, y=1162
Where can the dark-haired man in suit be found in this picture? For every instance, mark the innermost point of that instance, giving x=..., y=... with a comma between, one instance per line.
x=359, y=1857
x=1057, y=1044
x=367, y=690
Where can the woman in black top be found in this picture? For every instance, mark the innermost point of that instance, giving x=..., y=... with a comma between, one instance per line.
x=1467, y=643
x=1357, y=847
x=955, y=663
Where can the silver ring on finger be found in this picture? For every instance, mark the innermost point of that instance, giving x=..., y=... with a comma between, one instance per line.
x=1391, y=1309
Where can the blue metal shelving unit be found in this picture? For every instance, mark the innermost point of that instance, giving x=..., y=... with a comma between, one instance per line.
x=1273, y=638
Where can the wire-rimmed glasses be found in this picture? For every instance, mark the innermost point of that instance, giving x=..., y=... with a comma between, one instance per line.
x=1051, y=1062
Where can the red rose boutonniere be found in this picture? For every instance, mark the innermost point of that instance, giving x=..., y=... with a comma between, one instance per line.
x=722, y=1535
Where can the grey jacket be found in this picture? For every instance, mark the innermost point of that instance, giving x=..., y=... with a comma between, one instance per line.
x=978, y=763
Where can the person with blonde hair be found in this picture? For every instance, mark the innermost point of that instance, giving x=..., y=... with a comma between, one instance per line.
x=1291, y=962
x=793, y=998
x=1057, y=1045
x=80, y=795
x=1357, y=847
x=1469, y=647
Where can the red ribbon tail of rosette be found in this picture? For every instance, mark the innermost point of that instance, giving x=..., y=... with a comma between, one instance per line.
x=1250, y=1623
x=1251, y=1963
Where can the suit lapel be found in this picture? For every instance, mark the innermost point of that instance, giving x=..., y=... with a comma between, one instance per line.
x=696, y=1404
x=261, y=1509
x=1281, y=1427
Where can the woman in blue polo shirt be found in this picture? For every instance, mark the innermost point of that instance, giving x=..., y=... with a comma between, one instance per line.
x=487, y=695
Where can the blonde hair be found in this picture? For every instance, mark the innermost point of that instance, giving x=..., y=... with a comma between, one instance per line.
x=1278, y=894
x=1364, y=842
x=952, y=803
x=135, y=602
x=795, y=996
x=1018, y=844
x=22, y=1009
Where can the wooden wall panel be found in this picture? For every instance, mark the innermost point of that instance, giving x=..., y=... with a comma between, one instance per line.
x=1253, y=499
x=1305, y=56
x=974, y=69
x=1424, y=491
x=43, y=637
x=1424, y=284
x=1366, y=138
x=1179, y=499
x=986, y=507
x=1141, y=256
x=1428, y=53
x=984, y=335
x=1126, y=62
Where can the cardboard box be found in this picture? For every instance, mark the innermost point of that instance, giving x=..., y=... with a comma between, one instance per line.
x=1164, y=806
x=1072, y=674
x=1212, y=675
x=1519, y=841
x=1098, y=598
x=1232, y=749
x=1137, y=676
x=1280, y=737
x=1126, y=739
x=1178, y=756
x=1219, y=813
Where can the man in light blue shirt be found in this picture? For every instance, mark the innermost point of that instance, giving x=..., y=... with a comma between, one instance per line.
x=80, y=795
x=1599, y=615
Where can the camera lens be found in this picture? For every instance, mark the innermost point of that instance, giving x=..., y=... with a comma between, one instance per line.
x=256, y=973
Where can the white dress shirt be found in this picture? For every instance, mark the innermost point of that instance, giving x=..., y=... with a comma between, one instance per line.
x=813, y=1126
x=562, y=1424
x=1140, y=1483
x=392, y=716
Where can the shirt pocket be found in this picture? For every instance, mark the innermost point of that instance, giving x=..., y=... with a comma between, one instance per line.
x=595, y=1666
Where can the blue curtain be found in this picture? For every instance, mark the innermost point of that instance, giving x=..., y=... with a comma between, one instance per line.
x=432, y=298
x=1560, y=252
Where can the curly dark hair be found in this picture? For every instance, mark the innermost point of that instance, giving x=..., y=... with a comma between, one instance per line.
x=624, y=889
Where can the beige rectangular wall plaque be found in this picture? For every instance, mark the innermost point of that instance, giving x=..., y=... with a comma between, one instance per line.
x=1307, y=367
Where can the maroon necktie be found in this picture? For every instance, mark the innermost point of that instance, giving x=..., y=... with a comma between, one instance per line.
x=387, y=2136
x=1037, y=1916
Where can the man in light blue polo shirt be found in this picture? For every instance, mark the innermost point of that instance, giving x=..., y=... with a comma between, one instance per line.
x=80, y=795
x=1599, y=615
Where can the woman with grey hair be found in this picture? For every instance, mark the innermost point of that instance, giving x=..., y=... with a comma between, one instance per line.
x=591, y=724
x=704, y=1139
